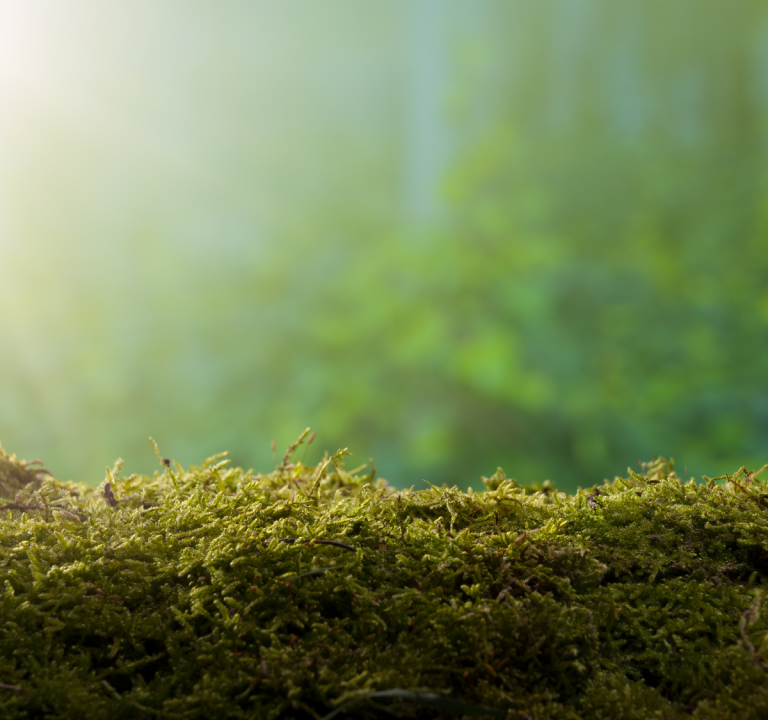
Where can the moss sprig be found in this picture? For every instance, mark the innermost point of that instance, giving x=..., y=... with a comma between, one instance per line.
x=318, y=592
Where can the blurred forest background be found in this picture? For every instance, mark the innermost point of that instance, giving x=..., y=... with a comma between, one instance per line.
x=447, y=235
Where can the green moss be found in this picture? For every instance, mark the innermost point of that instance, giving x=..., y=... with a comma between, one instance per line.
x=214, y=592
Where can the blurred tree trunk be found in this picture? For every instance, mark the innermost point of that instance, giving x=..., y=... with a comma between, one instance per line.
x=427, y=141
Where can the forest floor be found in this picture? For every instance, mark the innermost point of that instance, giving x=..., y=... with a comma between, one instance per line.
x=319, y=592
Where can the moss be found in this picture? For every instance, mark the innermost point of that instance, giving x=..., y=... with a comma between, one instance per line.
x=309, y=591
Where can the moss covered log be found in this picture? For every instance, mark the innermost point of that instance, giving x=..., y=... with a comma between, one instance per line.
x=315, y=592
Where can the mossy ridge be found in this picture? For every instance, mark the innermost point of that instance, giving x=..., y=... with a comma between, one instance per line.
x=205, y=593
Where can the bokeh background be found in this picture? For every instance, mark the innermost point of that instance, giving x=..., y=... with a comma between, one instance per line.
x=446, y=235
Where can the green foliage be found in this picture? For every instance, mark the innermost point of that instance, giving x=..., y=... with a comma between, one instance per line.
x=574, y=314
x=592, y=291
x=316, y=591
